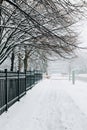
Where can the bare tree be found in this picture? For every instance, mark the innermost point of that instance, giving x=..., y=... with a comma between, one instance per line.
x=44, y=25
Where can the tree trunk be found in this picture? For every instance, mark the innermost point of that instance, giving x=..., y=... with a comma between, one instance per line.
x=19, y=60
x=12, y=61
x=26, y=60
x=0, y=21
x=25, y=63
x=1, y=1
x=12, y=56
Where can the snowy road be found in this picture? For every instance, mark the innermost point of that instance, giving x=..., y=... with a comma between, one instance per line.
x=48, y=106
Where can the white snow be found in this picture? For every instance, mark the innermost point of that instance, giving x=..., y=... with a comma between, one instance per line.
x=53, y=104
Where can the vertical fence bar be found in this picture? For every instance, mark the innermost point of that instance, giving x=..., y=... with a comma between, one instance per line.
x=34, y=77
x=25, y=82
x=9, y=92
x=30, y=79
x=6, y=90
x=18, y=86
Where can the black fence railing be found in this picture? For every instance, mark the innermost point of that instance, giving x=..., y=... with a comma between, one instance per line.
x=13, y=85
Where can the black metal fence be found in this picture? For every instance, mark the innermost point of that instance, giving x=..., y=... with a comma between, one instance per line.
x=13, y=85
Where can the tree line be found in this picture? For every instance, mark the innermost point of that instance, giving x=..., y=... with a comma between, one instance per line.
x=35, y=30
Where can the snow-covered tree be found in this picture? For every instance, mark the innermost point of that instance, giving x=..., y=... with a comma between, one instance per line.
x=41, y=24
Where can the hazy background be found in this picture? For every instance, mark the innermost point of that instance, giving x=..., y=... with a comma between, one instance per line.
x=80, y=62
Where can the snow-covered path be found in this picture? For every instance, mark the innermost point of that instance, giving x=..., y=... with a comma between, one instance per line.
x=48, y=106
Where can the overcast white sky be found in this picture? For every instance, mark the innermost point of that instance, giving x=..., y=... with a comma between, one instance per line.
x=81, y=28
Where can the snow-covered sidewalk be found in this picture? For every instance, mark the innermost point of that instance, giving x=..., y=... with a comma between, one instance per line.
x=53, y=104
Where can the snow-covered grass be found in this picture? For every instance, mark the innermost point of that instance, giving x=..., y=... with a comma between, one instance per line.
x=53, y=104
x=82, y=75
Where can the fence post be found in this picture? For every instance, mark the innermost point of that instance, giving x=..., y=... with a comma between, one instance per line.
x=6, y=90
x=18, y=86
x=34, y=77
x=69, y=76
x=25, y=81
x=73, y=77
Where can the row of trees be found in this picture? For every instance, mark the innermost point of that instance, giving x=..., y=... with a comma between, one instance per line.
x=36, y=30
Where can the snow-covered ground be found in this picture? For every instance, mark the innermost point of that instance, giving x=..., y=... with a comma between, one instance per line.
x=53, y=104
